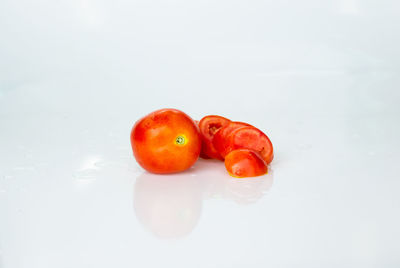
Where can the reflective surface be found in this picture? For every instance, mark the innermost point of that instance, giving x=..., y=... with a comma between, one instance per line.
x=320, y=78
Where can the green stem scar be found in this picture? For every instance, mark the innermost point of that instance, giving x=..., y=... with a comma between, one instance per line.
x=180, y=140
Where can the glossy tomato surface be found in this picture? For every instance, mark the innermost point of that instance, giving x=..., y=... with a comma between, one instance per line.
x=220, y=138
x=242, y=163
x=209, y=126
x=249, y=138
x=202, y=154
x=166, y=141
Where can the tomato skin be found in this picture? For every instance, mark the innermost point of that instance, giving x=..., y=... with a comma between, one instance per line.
x=220, y=138
x=202, y=154
x=165, y=141
x=242, y=163
x=209, y=126
x=249, y=138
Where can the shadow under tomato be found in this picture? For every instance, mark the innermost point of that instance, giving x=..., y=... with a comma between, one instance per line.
x=170, y=206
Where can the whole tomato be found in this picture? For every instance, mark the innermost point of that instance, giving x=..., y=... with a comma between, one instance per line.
x=166, y=141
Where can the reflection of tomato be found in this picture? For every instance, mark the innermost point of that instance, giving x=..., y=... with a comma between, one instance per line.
x=166, y=141
x=249, y=138
x=209, y=125
x=169, y=207
x=220, y=138
x=245, y=163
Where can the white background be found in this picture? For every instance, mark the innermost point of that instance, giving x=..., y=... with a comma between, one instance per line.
x=321, y=78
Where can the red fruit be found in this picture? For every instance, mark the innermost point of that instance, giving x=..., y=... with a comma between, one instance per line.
x=220, y=138
x=166, y=141
x=249, y=138
x=202, y=154
x=209, y=126
x=245, y=163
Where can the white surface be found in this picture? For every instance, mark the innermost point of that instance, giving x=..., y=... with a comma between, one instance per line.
x=321, y=78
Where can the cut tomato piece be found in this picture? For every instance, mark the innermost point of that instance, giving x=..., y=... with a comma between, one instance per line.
x=249, y=138
x=242, y=163
x=220, y=138
x=209, y=125
x=202, y=154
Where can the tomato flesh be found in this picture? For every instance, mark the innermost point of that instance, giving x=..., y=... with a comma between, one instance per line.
x=249, y=138
x=242, y=163
x=209, y=126
x=220, y=138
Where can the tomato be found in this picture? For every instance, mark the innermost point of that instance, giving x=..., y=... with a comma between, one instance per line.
x=249, y=138
x=245, y=163
x=166, y=141
x=220, y=138
x=209, y=126
x=202, y=154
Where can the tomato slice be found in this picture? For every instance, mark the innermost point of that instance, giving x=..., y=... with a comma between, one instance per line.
x=248, y=138
x=220, y=138
x=209, y=126
x=242, y=163
x=202, y=155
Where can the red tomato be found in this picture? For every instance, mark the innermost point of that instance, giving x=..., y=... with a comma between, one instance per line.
x=209, y=125
x=245, y=163
x=166, y=141
x=220, y=138
x=202, y=154
x=249, y=138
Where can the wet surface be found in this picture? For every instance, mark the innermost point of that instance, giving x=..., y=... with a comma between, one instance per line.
x=321, y=79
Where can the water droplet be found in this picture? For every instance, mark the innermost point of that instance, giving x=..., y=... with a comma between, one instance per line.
x=23, y=190
x=304, y=147
x=86, y=174
x=42, y=164
x=21, y=147
x=102, y=164
x=115, y=164
x=28, y=155
x=24, y=168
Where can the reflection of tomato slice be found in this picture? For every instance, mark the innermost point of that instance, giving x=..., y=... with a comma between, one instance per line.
x=166, y=141
x=245, y=163
x=220, y=138
x=209, y=126
x=249, y=138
